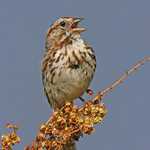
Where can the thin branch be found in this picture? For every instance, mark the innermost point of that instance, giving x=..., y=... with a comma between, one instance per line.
x=120, y=80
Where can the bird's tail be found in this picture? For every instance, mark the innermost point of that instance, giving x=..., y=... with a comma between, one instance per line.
x=69, y=146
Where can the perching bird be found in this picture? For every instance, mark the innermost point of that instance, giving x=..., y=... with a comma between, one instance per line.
x=68, y=64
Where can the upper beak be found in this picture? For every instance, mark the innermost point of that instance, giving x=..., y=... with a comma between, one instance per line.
x=78, y=19
x=75, y=27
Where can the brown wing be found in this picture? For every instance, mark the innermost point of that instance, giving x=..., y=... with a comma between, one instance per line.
x=44, y=67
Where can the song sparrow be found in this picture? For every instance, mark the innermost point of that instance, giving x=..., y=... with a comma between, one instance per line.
x=69, y=62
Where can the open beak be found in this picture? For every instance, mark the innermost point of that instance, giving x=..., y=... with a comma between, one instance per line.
x=75, y=25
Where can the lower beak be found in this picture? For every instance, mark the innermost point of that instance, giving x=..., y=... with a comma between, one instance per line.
x=78, y=29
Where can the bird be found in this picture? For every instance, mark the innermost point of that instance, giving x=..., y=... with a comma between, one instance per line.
x=69, y=62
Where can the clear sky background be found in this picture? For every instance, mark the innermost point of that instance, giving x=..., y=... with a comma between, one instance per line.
x=119, y=31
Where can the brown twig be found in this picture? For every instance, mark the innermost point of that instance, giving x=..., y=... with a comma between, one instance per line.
x=120, y=80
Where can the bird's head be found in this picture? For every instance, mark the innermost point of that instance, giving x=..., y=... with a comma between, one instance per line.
x=63, y=31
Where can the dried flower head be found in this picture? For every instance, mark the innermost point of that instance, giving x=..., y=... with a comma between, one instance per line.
x=11, y=138
x=69, y=124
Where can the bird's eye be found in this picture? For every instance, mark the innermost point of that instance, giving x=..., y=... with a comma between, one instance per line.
x=63, y=23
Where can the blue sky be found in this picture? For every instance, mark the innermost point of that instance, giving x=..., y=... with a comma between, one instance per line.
x=119, y=32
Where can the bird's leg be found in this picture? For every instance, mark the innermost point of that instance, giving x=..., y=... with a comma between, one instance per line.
x=82, y=99
x=89, y=92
